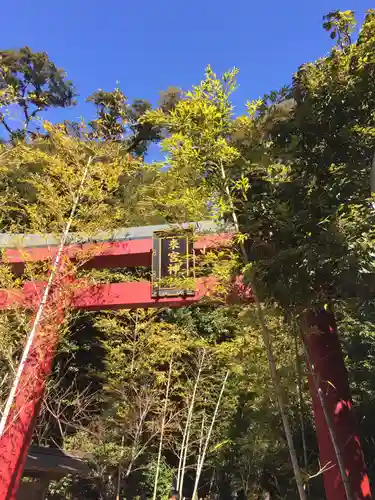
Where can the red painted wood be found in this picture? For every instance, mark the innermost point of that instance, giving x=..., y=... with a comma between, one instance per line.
x=130, y=253
x=100, y=255
x=16, y=439
x=132, y=295
x=326, y=357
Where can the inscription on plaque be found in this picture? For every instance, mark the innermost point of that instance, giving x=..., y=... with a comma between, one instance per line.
x=173, y=264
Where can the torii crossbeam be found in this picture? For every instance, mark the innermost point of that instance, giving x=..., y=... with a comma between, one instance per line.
x=132, y=248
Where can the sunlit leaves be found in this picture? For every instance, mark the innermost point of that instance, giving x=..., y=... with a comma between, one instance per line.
x=340, y=24
x=39, y=184
x=197, y=144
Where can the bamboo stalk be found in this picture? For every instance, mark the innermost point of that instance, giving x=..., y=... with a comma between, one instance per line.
x=204, y=452
x=300, y=402
x=180, y=458
x=267, y=339
x=162, y=429
x=184, y=451
x=118, y=487
x=43, y=302
x=201, y=436
x=119, y=471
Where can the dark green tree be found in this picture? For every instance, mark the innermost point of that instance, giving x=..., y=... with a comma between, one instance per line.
x=118, y=120
x=32, y=83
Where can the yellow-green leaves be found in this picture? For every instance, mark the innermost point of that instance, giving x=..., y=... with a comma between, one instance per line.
x=252, y=107
x=199, y=127
x=40, y=181
x=340, y=24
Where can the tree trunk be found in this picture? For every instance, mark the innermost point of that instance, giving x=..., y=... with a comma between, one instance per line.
x=267, y=338
x=331, y=380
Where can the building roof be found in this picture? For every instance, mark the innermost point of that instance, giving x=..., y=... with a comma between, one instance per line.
x=132, y=233
x=55, y=462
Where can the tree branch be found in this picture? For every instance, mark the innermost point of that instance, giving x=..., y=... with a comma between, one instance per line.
x=10, y=131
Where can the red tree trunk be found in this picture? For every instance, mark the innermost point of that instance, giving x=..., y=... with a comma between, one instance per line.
x=327, y=362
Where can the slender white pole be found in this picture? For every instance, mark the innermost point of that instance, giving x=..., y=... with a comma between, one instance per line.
x=162, y=429
x=372, y=181
x=185, y=445
x=38, y=316
x=203, y=455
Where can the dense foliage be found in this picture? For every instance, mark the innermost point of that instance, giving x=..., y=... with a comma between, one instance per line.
x=295, y=171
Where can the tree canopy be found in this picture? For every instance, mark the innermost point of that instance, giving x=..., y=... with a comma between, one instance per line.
x=293, y=173
x=31, y=82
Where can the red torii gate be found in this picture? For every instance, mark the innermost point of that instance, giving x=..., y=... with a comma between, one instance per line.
x=134, y=248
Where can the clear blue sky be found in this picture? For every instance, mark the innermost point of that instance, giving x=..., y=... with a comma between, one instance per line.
x=148, y=45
